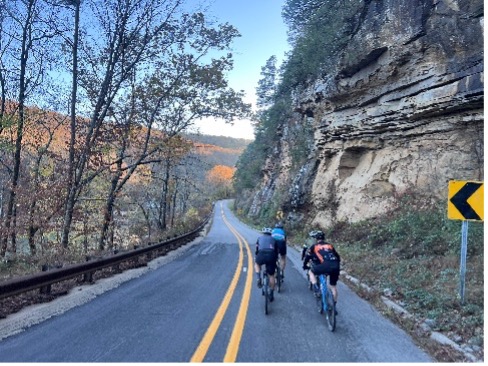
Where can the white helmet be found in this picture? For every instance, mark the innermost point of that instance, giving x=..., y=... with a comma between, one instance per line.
x=266, y=230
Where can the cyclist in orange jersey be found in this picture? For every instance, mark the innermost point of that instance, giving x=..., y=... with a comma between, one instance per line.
x=325, y=260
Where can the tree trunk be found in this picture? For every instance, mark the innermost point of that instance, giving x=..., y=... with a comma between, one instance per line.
x=10, y=219
x=163, y=208
x=173, y=211
x=71, y=189
x=108, y=213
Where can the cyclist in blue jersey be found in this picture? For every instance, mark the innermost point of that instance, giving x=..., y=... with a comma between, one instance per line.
x=266, y=253
x=279, y=236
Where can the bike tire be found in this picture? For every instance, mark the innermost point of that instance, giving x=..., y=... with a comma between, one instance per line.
x=278, y=279
x=331, y=312
x=320, y=304
x=266, y=294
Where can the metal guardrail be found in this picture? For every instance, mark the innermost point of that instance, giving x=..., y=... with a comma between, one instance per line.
x=42, y=280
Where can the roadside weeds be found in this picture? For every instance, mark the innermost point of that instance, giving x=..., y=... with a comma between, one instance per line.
x=438, y=344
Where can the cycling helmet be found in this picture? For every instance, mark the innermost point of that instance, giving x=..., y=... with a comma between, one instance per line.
x=320, y=235
x=312, y=233
x=279, y=225
x=266, y=230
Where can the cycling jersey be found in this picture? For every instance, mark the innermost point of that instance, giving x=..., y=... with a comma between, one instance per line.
x=325, y=253
x=322, y=252
x=266, y=253
x=278, y=234
x=265, y=242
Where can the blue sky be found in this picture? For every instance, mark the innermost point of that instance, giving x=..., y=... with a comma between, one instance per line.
x=263, y=34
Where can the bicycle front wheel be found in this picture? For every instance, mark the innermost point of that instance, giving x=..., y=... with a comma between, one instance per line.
x=331, y=312
x=320, y=298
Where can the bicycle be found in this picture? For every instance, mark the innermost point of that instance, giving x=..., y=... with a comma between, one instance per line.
x=265, y=289
x=326, y=302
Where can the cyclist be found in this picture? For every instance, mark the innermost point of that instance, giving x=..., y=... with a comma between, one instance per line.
x=279, y=236
x=311, y=240
x=325, y=260
x=266, y=253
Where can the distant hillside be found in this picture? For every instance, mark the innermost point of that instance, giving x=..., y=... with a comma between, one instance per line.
x=215, y=150
x=222, y=141
x=211, y=150
x=218, y=150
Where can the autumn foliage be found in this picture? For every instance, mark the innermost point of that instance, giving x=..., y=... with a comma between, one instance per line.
x=220, y=179
x=221, y=175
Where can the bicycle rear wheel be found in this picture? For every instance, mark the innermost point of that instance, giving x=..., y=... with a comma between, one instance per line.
x=278, y=278
x=266, y=293
x=331, y=312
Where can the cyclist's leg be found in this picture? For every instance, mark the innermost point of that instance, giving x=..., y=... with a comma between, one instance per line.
x=282, y=251
x=313, y=281
x=272, y=282
x=257, y=268
x=312, y=277
x=333, y=278
x=317, y=269
x=270, y=270
x=313, y=273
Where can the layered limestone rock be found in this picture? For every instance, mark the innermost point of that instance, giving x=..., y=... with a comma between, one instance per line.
x=403, y=112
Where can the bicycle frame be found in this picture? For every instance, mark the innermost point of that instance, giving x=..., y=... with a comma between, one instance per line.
x=327, y=302
x=324, y=291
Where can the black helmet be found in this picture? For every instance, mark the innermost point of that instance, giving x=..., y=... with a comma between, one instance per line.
x=320, y=235
x=279, y=225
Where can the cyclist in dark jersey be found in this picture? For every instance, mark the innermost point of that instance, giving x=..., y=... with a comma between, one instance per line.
x=266, y=253
x=325, y=260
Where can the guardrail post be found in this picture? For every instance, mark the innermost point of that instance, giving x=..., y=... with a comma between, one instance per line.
x=88, y=277
x=45, y=290
x=116, y=266
x=135, y=260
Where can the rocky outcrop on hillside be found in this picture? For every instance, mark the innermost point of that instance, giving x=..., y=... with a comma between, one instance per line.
x=402, y=112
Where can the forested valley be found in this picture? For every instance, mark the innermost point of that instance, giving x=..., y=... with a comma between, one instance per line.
x=96, y=100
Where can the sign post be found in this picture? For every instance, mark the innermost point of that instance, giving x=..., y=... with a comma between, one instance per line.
x=464, y=253
x=465, y=202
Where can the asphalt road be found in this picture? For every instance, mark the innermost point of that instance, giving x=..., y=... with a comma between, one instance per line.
x=204, y=306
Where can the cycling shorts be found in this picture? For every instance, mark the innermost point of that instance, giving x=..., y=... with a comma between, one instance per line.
x=326, y=268
x=267, y=257
x=281, y=246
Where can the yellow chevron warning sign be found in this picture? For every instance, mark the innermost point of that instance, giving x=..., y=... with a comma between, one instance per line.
x=465, y=200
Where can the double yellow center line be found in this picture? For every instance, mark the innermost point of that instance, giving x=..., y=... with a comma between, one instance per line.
x=235, y=339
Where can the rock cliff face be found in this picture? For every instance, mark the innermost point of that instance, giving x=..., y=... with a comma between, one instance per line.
x=402, y=112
